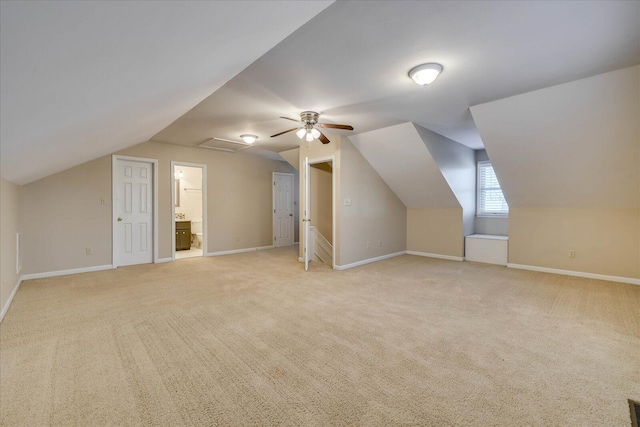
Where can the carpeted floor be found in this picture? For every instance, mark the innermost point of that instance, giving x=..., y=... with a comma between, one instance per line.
x=251, y=339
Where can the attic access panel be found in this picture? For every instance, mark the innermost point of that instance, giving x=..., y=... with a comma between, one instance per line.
x=224, y=145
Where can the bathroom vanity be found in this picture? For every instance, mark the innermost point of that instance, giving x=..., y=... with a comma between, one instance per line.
x=183, y=235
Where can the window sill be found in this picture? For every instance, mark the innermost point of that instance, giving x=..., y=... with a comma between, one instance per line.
x=493, y=216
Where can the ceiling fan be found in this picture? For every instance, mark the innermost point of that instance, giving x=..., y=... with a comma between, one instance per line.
x=308, y=121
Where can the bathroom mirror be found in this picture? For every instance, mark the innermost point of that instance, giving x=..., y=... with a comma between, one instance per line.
x=177, y=192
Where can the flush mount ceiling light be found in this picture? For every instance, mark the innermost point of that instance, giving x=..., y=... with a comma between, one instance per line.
x=249, y=139
x=426, y=73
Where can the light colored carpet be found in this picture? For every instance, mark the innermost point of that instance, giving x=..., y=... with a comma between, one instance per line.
x=251, y=339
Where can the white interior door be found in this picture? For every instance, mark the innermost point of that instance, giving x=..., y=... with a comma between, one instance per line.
x=282, y=209
x=133, y=213
x=305, y=217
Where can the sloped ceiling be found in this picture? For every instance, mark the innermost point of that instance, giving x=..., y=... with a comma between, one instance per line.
x=402, y=160
x=350, y=63
x=458, y=167
x=575, y=145
x=84, y=79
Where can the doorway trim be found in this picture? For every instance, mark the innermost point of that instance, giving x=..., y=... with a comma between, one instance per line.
x=314, y=161
x=205, y=231
x=114, y=173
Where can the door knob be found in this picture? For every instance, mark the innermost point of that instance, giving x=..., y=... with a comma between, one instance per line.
x=119, y=218
x=290, y=214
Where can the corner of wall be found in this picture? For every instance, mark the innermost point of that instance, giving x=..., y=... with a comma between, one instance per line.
x=10, y=255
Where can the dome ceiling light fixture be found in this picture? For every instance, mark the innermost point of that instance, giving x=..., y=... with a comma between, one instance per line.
x=248, y=138
x=425, y=74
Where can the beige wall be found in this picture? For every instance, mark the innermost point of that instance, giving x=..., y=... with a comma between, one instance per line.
x=433, y=176
x=9, y=226
x=63, y=215
x=321, y=200
x=605, y=240
x=435, y=231
x=376, y=214
x=568, y=161
x=239, y=194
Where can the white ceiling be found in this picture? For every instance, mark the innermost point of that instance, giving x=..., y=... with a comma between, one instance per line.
x=418, y=166
x=589, y=159
x=351, y=62
x=84, y=79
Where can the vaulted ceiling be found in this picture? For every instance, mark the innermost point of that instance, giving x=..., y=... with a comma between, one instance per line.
x=83, y=79
x=80, y=80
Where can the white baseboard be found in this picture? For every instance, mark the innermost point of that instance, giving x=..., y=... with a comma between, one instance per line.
x=576, y=273
x=449, y=257
x=161, y=260
x=66, y=272
x=8, y=303
x=239, y=251
x=369, y=261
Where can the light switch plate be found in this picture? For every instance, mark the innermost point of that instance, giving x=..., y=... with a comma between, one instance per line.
x=347, y=202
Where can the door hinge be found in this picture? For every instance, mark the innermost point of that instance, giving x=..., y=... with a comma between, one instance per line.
x=274, y=211
x=274, y=237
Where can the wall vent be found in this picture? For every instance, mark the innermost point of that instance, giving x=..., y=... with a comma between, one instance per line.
x=225, y=145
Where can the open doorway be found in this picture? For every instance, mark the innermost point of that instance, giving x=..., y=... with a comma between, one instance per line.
x=189, y=210
x=319, y=212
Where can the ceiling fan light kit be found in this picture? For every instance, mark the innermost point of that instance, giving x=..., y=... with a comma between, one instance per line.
x=425, y=74
x=308, y=131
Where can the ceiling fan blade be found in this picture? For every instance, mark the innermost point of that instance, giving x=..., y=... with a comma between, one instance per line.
x=278, y=134
x=332, y=126
x=293, y=120
x=323, y=138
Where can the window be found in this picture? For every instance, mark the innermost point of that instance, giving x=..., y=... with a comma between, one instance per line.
x=490, y=199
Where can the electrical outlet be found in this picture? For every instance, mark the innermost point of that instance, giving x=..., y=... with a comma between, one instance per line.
x=103, y=201
x=379, y=243
x=89, y=251
x=368, y=245
x=572, y=254
x=347, y=202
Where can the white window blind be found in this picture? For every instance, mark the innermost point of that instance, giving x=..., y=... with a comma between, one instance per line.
x=491, y=201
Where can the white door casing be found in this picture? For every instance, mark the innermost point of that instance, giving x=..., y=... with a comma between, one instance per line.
x=305, y=216
x=133, y=212
x=307, y=212
x=282, y=209
x=175, y=163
